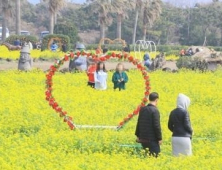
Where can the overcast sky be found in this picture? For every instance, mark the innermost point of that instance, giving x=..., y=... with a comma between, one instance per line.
x=75, y=1
x=175, y=2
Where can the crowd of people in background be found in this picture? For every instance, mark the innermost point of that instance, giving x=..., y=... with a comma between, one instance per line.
x=22, y=42
x=189, y=52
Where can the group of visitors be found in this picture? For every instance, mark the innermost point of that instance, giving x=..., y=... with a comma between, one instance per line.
x=54, y=47
x=189, y=52
x=148, y=129
x=17, y=43
x=97, y=76
x=154, y=63
x=96, y=71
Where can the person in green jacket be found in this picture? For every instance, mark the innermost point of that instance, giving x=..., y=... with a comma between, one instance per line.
x=120, y=77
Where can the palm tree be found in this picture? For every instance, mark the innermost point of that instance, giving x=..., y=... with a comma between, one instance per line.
x=18, y=17
x=121, y=7
x=54, y=7
x=102, y=8
x=139, y=4
x=6, y=13
x=151, y=12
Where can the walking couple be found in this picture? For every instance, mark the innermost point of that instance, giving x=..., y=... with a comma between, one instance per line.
x=148, y=129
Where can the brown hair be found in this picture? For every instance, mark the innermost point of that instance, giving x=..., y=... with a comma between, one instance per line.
x=119, y=64
x=98, y=67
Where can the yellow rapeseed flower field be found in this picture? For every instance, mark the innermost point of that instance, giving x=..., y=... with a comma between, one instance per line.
x=47, y=54
x=34, y=137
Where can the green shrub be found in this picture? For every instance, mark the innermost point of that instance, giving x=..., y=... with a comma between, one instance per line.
x=192, y=63
x=167, y=49
x=27, y=38
x=69, y=30
x=112, y=47
x=216, y=48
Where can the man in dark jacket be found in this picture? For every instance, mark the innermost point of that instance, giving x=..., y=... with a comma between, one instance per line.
x=148, y=129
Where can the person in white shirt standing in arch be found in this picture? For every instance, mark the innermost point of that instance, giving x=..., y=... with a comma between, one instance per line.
x=100, y=77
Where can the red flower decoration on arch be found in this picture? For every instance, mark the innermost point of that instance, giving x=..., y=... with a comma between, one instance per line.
x=54, y=68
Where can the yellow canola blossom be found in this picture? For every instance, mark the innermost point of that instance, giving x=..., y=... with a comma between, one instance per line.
x=47, y=54
x=34, y=137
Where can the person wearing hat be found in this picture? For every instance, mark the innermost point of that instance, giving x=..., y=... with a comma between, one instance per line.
x=25, y=61
x=80, y=46
x=79, y=62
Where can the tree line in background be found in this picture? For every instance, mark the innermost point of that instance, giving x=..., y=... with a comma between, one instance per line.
x=127, y=19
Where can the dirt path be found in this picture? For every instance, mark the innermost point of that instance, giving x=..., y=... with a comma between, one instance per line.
x=44, y=65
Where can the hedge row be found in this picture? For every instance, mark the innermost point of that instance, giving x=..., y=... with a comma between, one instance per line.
x=22, y=38
x=167, y=49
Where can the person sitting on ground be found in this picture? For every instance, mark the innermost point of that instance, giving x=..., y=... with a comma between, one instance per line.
x=54, y=46
x=100, y=77
x=147, y=61
x=190, y=52
x=197, y=50
x=120, y=77
x=182, y=53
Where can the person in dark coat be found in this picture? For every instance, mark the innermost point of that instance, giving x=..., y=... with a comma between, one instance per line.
x=148, y=129
x=64, y=47
x=127, y=49
x=179, y=124
x=120, y=77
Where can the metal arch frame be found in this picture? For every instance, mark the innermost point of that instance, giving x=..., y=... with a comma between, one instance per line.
x=143, y=44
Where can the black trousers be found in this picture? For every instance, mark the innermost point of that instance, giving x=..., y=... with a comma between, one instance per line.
x=91, y=84
x=152, y=147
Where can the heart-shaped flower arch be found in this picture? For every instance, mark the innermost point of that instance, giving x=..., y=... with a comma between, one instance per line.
x=54, y=68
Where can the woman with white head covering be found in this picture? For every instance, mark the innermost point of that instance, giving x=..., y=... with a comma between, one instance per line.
x=179, y=124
